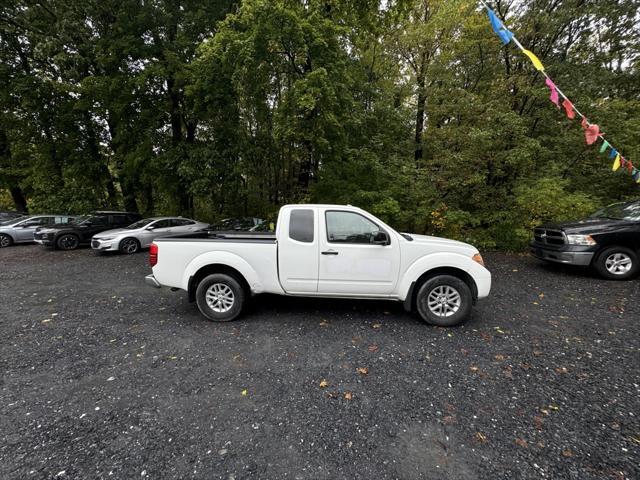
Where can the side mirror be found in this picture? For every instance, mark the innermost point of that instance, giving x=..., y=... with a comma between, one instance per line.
x=381, y=238
x=150, y=227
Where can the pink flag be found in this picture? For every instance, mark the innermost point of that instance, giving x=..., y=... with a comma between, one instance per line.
x=591, y=133
x=554, y=93
x=568, y=107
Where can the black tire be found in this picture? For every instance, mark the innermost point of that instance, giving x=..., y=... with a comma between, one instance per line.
x=225, y=284
x=67, y=241
x=612, y=263
x=5, y=240
x=447, y=294
x=129, y=246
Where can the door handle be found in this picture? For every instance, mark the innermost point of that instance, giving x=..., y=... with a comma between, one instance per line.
x=330, y=252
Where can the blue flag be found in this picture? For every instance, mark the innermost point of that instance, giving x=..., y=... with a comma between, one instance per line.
x=498, y=27
x=613, y=153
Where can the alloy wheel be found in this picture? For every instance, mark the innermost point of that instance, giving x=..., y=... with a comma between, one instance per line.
x=444, y=301
x=68, y=242
x=618, y=263
x=220, y=298
x=129, y=245
x=5, y=241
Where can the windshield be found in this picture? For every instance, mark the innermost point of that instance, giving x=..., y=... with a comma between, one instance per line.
x=140, y=223
x=620, y=211
x=81, y=219
x=13, y=221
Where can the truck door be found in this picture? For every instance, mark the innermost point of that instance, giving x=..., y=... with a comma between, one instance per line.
x=350, y=263
x=298, y=250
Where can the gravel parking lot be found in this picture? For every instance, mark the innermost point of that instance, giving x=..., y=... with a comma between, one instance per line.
x=104, y=377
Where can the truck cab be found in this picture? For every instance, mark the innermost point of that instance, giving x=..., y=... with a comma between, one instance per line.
x=332, y=251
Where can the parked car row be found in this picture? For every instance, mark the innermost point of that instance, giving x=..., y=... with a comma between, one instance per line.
x=125, y=232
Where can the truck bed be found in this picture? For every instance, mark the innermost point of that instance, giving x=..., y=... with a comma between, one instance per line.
x=222, y=236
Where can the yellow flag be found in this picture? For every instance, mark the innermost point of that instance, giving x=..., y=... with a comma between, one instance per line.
x=536, y=61
x=616, y=163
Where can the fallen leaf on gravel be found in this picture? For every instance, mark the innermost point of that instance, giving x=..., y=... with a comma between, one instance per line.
x=635, y=440
x=540, y=444
x=473, y=368
x=324, y=323
x=507, y=372
x=244, y=392
x=46, y=320
x=537, y=353
x=449, y=420
x=362, y=370
x=538, y=422
x=480, y=437
x=464, y=351
x=348, y=395
x=173, y=358
x=541, y=296
x=376, y=326
x=332, y=394
x=553, y=407
x=522, y=443
x=373, y=348
x=485, y=336
x=324, y=383
x=561, y=370
x=514, y=270
x=567, y=453
x=525, y=366
x=499, y=358
x=544, y=411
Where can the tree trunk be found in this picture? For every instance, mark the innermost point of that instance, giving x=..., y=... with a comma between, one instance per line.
x=18, y=199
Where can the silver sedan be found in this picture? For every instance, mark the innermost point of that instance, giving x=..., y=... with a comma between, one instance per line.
x=140, y=234
x=20, y=230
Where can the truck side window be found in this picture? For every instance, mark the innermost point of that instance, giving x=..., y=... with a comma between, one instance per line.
x=349, y=227
x=301, y=225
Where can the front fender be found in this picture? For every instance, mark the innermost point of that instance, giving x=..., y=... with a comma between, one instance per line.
x=223, y=258
x=480, y=275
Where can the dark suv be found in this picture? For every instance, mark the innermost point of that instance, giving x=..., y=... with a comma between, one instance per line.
x=608, y=241
x=72, y=235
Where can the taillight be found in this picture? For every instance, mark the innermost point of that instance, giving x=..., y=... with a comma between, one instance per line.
x=153, y=255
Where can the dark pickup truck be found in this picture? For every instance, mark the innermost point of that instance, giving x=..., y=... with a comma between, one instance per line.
x=608, y=241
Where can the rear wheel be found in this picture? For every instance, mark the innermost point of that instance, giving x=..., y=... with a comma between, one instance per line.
x=444, y=300
x=5, y=240
x=220, y=297
x=617, y=263
x=68, y=241
x=129, y=246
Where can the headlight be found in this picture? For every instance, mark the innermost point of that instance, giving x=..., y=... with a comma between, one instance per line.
x=478, y=259
x=580, y=240
x=103, y=239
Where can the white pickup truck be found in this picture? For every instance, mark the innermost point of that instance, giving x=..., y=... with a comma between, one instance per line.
x=323, y=251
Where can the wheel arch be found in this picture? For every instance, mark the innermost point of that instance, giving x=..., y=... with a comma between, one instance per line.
x=410, y=300
x=210, y=269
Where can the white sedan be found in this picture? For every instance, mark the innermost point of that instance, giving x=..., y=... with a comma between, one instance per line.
x=140, y=234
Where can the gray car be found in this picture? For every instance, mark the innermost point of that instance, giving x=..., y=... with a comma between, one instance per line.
x=140, y=234
x=21, y=229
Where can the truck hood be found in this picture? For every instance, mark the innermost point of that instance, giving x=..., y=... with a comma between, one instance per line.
x=444, y=243
x=588, y=226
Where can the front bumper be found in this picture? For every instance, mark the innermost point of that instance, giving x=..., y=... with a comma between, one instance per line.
x=47, y=241
x=104, y=245
x=151, y=280
x=568, y=254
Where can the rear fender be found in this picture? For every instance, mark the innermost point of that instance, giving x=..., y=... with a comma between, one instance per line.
x=223, y=258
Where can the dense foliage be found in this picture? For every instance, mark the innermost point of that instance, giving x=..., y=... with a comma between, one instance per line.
x=411, y=109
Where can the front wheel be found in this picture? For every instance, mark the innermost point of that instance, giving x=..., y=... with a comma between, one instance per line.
x=444, y=301
x=68, y=241
x=129, y=246
x=220, y=297
x=5, y=240
x=617, y=263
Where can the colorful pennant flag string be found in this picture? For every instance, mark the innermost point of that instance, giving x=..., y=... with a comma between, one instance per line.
x=591, y=130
